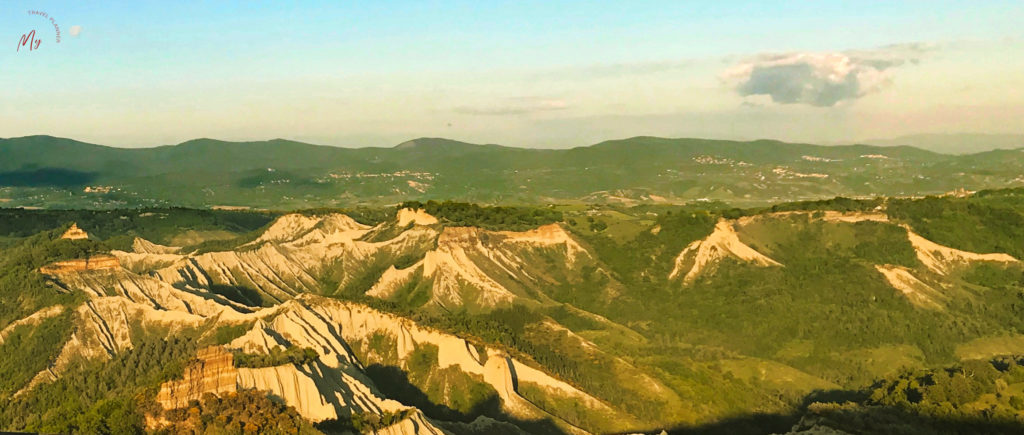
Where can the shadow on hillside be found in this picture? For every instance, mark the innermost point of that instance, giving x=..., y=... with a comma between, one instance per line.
x=243, y=295
x=835, y=409
x=46, y=177
x=872, y=420
x=395, y=384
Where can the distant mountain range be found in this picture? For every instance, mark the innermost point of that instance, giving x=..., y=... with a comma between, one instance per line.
x=45, y=171
x=959, y=143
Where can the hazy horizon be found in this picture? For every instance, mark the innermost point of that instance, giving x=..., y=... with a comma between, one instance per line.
x=525, y=74
x=1001, y=139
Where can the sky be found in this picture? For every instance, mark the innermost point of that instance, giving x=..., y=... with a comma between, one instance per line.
x=550, y=74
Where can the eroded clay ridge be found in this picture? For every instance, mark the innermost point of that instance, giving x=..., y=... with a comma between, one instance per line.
x=943, y=259
x=464, y=265
x=333, y=385
x=916, y=291
x=474, y=267
x=704, y=255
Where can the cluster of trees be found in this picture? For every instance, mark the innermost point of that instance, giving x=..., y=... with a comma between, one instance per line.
x=101, y=397
x=975, y=396
x=494, y=218
x=29, y=349
x=362, y=214
x=993, y=222
x=24, y=291
x=154, y=224
x=276, y=357
x=838, y=301
x=367, y=423
x=950, y=392
x=650, y=254
x=244, y=412
x=838, y=203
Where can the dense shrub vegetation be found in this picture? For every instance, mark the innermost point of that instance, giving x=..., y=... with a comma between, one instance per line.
x=101, y=397
x=976, y=396
x=498, y=218
x=24, y=291
x=246, y=412
x=29, y=349
x=987, y=222
x=156, y=224
x=276, y=357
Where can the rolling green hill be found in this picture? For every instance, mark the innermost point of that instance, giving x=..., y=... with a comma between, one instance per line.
x=43, y=171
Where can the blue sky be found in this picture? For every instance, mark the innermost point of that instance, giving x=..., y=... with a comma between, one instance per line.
x=544, y=73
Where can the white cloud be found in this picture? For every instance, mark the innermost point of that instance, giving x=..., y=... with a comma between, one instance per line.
x=820, y=79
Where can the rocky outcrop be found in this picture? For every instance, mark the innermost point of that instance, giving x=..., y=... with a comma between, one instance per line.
x=456, y=279
x=331, y=387
x=144, y=246
x=703, y=255
x=547, y=236
x=103, y=328
x=464, y=266
x=75, y=233
x=327, y=325
x=408, y=216
x=259, y=339
x=294, y=227
x=146, y=256
x=943, y=259
x=212, y=372
x=288, y=258
x=481, y=270
x=96, y=262
x=152, y=292
x=917, y=292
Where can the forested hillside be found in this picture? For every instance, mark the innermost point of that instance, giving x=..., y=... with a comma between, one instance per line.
x=49, y=172
x=435, y=317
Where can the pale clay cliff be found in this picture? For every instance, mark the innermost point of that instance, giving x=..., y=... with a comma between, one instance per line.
x=161, y=285
x=704, y=255
x=282, y=262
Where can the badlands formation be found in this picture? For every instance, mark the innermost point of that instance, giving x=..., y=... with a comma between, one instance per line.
x=160, y=286
x=284, y=271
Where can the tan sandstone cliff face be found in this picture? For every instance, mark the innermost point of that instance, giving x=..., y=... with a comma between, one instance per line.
x=96, y=262
x=212, y=372
x=75, y=233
